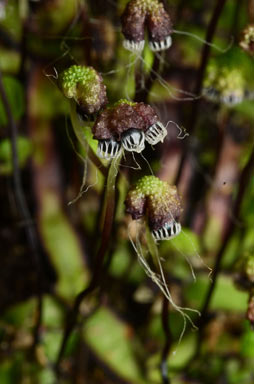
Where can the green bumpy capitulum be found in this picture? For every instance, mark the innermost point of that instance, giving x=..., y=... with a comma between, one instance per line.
x=85, y=86
x=121, y=102
x=155, y=199
x=224, y=84
x=151, y=6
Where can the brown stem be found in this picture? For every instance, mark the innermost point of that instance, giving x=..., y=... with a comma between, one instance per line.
x=23, y=207
x=200, y=77
x=235, y=23
x=143, y=90
x=251, y=11
x=179, y=10
x=110, y=194
x=167, y=345
x=243, y=184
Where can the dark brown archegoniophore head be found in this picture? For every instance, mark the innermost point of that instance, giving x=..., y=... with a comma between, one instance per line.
x=85, y=85
x=127, y=124
x=140, y=14
x=159, y=202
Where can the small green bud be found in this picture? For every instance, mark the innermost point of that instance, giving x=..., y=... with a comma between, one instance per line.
x=159, y=202
x=85, y=86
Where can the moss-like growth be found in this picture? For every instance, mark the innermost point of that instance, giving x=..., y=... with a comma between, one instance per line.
x=85, y=86
x=124, y=101
x=155, y=199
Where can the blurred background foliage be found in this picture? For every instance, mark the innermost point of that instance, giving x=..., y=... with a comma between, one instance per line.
x=119, y=335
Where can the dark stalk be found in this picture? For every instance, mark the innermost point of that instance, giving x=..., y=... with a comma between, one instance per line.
x=23, y=55
x=235, y=217
x=141, y=95
x=251, y=11
x=200, y=78
x=109, y=198
x=23, y=209
x=179, y=10
x=167, y=345
x=153, y=249
x=143, y=88
x=235, y=23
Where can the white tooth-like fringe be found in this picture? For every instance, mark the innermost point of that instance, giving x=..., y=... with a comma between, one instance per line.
x=157, y=46
x=108, y=149
x=132, y=46
x=134, y=141
x=168, y=231
x=249, y=95
x=156, y=133
x=211, y=94
x=232, y=99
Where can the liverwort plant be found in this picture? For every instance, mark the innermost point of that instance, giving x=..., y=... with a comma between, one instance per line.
x=96, y=228
x=159, y=204
x=85, y=86
x=87, y=93
x=150, y=14
x=227, y=82
x=224, y=84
